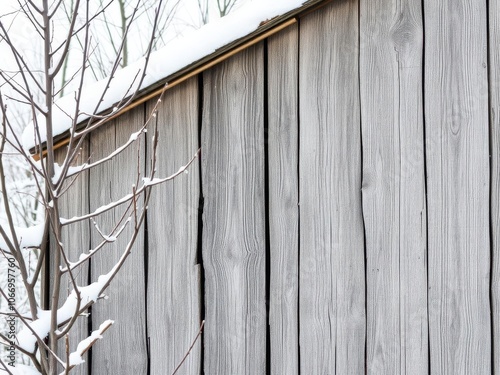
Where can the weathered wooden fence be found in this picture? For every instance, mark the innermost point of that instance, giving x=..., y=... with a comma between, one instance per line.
x=344, y=215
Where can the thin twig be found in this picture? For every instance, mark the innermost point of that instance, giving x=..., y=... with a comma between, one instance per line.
x=129, y=197
x=5, y=367
x=190, y=348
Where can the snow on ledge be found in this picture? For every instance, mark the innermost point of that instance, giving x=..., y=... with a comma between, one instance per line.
x=164, y=62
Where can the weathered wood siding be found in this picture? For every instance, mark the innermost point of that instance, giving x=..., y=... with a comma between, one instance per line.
x=343, y=217
x=494, y=112
x=391, y=50
x=331, y=262
x=76, y=239
x=234, y=244
x=172, y=256
x=283, y=190
x=111, y=181
x=458, y=185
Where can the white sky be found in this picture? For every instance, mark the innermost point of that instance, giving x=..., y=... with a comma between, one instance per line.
x=187, y=18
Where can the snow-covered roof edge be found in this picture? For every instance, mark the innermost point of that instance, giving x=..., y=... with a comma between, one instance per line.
x=181, y=55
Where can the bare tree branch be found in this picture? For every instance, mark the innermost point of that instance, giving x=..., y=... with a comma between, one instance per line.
x=52, y=180
x=59, y=64
x=190, y=348
x=127, y=198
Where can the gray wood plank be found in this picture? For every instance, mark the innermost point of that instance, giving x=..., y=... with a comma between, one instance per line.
x=456, y=114
x=123, y=347
x=173, y=291
x=494, y=110
x=332, y=276
x=76, y=240
x=234, y=215
x=283, y=200
x=393, y=193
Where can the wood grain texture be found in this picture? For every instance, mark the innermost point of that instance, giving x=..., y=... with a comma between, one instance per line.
x=494, y=111
x=393, y=193
x=123, y=347
x=332, y=282
x=76, y=241
x=173, y=292
x=234, y=215
x=456, y=110
x=283, y=200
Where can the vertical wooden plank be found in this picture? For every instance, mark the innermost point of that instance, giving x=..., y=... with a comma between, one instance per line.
x=75, y=239
x=173, y=291
x=332, y=282
x=234, y=215
x=283, y=199
x=123, y=348
x=456, y=113
x=391, y=49
x=494, y=111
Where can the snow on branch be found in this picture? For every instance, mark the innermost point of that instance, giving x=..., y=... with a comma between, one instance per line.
x=147, y=182
x=80, y=168
x=75, y=358
x=26, y=237
x=88, y=295
x=107, y=239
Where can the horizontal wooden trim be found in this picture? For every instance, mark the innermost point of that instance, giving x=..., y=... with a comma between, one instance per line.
x=267, y=28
